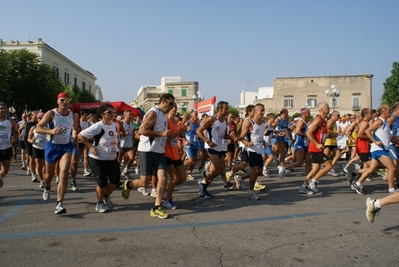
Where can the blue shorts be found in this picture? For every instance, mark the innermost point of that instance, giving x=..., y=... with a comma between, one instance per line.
x=191, y=152
x=267, y=151
x=151, y=162
x=378, y=153
x=54, y=152
x=393, y=152
x=298, y=147
x=201, y=145
x=75, y=152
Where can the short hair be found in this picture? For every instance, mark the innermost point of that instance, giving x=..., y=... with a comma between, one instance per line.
x=102, y=108
x=395, y=106
x=220, y=104
x=382, y=108
x=165, y=97
x=284, y=110
x=127, y=111
x=321, y=105
x=82, y=112
x=365, y=111
x=249, y=109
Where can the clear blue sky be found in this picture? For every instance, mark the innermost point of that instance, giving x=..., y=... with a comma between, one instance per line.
x=227, y=46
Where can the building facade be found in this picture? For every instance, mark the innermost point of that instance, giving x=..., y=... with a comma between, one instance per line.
x=67, y=71
x=185, y=92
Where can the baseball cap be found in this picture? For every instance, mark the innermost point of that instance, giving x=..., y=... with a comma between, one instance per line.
x=62, y=95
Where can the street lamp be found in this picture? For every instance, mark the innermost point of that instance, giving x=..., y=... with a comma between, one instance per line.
x=198, y=96
x=183, y=107
x=334, y=94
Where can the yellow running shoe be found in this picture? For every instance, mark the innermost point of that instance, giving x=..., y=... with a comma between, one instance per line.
x=228, y=177
x=159, y=212
x=125, y=190
x=259, y=187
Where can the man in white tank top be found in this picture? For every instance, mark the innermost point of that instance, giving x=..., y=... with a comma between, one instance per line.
x=61, y=139
x=8, y=135
x=151, y=150
x=216, y=130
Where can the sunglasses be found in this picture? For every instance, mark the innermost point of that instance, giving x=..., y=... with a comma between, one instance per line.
x=64, y=100
x=171, y=103
x=108, y=112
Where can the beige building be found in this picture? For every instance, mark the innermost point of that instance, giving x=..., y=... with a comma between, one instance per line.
x=346, y=94
x=186, y=93
x=68, y=72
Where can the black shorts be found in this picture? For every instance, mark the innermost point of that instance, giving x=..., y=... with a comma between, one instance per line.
x=21, y=144
x=173, y=162
x=231, y=148
x=6, y=154
x=244, y=155
x=318, y=157
x=255, y=159
x=214, y=152
x=104, y=171
x=365, y=157
x=28, y=148
x=81, y=145
x=38, y=153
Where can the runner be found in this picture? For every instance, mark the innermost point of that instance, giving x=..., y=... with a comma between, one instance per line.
x=191, y=144
x=38, y=142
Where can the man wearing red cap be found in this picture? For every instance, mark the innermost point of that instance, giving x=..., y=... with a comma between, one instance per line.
x=62, y=130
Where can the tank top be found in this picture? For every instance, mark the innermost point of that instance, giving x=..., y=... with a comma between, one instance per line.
x=382, y=134
x=127, y=141
x=319, y=134
x=5, y=134
x=171, y=148
x=191, y=135
x=154, y=144
x=40, y=140
x=302, y=140
x=66, y=125
x=256, y=137
x=362, y=145
x=331, y=141
x=216, y=134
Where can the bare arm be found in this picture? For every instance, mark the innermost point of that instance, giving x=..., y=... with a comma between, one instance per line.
x=246, y=128
x=200, y=131
x=148, y=123
x=375, y=125
x=313, y=127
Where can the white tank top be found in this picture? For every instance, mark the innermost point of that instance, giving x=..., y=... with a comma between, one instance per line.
x=154, y=144
x=127, y=141
x=40, y=142
x=216, y=134
x=382, y=134
x=66, y=125
x=256, y=137
x=5, y=134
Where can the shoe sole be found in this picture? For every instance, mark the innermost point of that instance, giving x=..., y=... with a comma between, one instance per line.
x=370, y=206
x=125, y=191
x=63, y=211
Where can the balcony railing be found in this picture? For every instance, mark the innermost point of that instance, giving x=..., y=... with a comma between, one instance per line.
x=356, y=107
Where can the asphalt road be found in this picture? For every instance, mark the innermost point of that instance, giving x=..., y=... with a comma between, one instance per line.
x=283, y=228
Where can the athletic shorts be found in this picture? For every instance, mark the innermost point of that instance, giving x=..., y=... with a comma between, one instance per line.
x=6, y=154
x=21, y=144
x=364, y=156
x=81, y=145
x=393, y=152
x=231, y=148
x=135, y=142
x=151, y=162
x=54, y=152
x=267, y=151
x=75, y=152
x=28, y=148
x=214, y=152
x=318, y=157
x=378, y=153
x=244, y=155
x=201, y=145
x=126, y=149
x=104, y=171
x=38, y=153
x=173, y=162
x=297, y=147
x=191, y=152
x=255, y=159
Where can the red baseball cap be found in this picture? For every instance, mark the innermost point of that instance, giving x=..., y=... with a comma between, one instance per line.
x=62, y=95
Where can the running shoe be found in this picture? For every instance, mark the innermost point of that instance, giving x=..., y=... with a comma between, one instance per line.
x=137, y=170
x=73, y=185
x=86, y=173
x=351, y=177
x=259, y=187
x=107, y=202
x=169, y=204
x=100, y=207
x=126, y=175
x=34, y=178
x=368, y=179
x=46, y=194
x=203, y=192
x=287, y=171
x=228, y=176
x=190, y=177
x=122, y=164
x=333, y=173
x=357, y=188
x=154, y=192
x=229, y=186
x=313, y=186
x=23, y=167
x=41, y=184
x=27, y=171
x=281, y=171
x=394, y=191
x=371, y=211
x=357, y=166
x=207, y=165
x=57, y=180
x=265, y=172
x=238, y=180
x=125, y=190
x=159, y=212
x=252, y=195
x=143, y=190
x=200, y=169
x=303, y=189
x=59, y=209
x=381, y=172
x=345, y=168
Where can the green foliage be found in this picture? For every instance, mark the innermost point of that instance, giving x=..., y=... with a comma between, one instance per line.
x=77, y=95
x=234, y=111
x=391, y=86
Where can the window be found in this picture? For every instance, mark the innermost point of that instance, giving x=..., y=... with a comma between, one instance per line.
x=56, y=72
x=170, y=91
x=334, y=102
x=288, y=102
x=183, y=92
x=83, y=86
x=312, y=102
x=75, y=81
x=355, y=103
x=66, y=78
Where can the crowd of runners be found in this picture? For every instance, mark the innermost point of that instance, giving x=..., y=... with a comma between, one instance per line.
x=163, y=149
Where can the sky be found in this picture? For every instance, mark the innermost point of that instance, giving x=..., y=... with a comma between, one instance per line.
x=227, y=46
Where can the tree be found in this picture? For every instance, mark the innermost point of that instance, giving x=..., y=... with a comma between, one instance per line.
x=26, y=83
x=77, y=95
x=391, y=86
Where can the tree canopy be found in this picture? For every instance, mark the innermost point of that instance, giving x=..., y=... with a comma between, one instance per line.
x=391, y=86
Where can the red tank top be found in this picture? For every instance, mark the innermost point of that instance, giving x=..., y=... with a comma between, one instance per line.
x=362, y=145
x=320, y=135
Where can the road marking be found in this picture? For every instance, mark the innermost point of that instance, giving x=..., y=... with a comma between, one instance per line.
x=16, y=208
x=165, y=226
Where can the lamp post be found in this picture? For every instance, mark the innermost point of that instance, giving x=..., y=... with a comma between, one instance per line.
x=183, y=107
x=334, y=94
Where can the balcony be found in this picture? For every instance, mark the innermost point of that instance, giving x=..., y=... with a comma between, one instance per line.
x=355, y=107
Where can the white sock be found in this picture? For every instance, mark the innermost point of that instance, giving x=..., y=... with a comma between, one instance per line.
x=391, y=190
x=377, y=204
x=125, y=169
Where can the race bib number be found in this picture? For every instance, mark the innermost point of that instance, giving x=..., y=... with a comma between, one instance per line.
x=163, y=141
x=4, y=136
x=258, y=142
x=174, y=142
x=41, y=140
x=225, y=142
x=219, y=136
x=64, y=131
x=195, y=138
x=110, y=149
